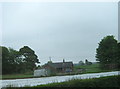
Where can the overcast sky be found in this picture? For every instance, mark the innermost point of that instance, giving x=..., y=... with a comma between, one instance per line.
x=61, y=30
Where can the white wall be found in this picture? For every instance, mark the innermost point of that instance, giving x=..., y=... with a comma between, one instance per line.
x=40, y=72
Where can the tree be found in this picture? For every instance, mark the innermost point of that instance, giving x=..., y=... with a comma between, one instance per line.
x=5, y=60
x=30, y=58
x=18, y=61
x=15, y=60
x=10, y=61
x=118, y=56
x=106, y=51
x=0, y=61
x=87, y=62
x=14, y=56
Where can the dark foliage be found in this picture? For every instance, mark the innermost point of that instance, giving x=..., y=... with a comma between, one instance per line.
x=107, y=53
x=14, y=62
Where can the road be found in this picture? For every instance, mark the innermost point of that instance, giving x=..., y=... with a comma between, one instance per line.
x=45, y=80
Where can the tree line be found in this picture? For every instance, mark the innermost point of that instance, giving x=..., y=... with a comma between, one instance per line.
x=21, y=61
x=108, y=53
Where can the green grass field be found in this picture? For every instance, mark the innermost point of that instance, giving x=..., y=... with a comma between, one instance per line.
x=16, y=76
x=94, y=68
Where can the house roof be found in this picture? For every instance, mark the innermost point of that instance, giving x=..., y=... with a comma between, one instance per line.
x=61, y=64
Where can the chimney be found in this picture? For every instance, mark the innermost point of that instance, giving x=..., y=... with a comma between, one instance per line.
x=50, y=58
x=63, y=60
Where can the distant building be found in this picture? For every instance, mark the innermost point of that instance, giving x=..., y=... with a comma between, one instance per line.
x=52, y=68
x=41, y=72
x=59, y=67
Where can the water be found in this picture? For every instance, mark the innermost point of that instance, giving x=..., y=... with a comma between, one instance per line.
x=46, y=80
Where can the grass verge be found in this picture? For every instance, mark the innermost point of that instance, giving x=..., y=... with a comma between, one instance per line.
x=17, y=76
x=94, y=68
x=109, y=81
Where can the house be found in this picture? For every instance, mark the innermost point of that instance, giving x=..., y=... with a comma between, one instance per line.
x=59, y=67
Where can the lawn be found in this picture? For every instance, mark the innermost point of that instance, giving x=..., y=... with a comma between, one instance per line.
x=94, y=68
x=17, y=76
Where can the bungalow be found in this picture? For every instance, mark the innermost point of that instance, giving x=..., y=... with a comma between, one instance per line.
x=52, y=68
x=59, y=67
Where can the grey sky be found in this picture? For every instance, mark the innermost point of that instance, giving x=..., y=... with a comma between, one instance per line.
x=61, y=30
